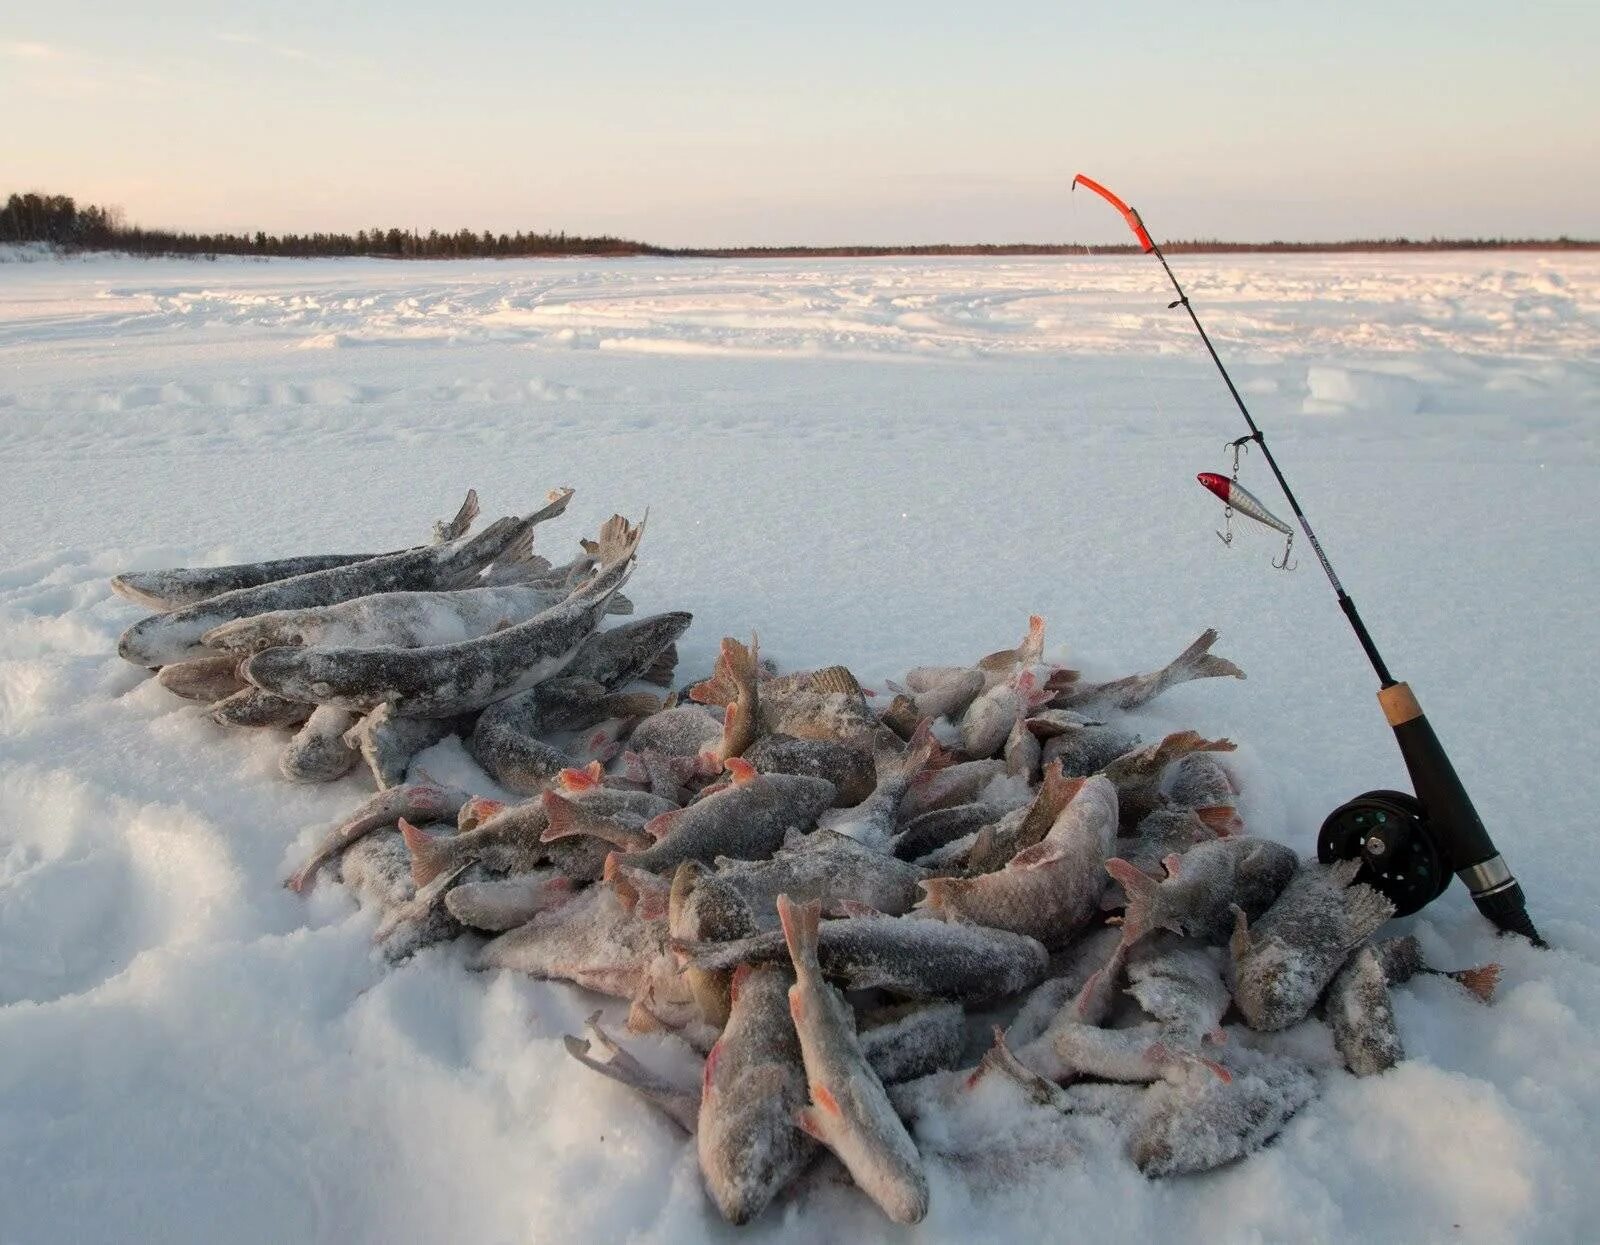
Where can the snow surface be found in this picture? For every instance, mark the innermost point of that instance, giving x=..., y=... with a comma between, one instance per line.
x=876, y=462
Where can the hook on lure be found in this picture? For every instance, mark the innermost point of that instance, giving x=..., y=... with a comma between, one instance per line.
x=1235, y=496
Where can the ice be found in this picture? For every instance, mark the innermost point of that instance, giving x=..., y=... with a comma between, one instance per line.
x=884, y=463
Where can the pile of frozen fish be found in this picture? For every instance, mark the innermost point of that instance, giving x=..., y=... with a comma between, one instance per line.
x=983, y=926
x=376, y=657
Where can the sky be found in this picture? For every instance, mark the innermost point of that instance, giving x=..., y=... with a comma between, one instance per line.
x=699, y=124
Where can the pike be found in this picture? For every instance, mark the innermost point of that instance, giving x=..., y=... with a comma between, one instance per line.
x=164, y=638
x=448, y=679
x=1447, y=833
x=179, y=586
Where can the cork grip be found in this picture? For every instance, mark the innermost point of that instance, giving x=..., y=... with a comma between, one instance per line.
x=1399, y=705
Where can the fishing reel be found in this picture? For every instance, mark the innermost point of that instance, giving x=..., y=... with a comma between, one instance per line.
x=1389, y=832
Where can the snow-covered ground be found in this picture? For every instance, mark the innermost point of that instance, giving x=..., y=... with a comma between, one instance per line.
x=874, y=462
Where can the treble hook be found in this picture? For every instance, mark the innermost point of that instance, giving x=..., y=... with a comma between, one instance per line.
x=1285, y=564
x=1236, y=446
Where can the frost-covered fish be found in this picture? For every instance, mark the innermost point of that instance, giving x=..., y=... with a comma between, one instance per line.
x=1178, y=982
x=1021, y=828
x=1198, y=781
x=734, y=684
x=1360, y=1011
x=1195, y=662
x=387, y=742
x=747, y=820
x=682, y=731
x=966, y=783
x=1083, y=748
x=510, y=839
x=1173, y=830
x=1050, y=890
x=510, y=739
x=821, y=865
x=207, y=679
x=944, y=694
x=185, y=585
x=391, y=620
x=259, y=710
x=499, y=904
x=872, y=822
x=999, y=1122
x=911, y=957
x=1195, y=1121
x=849, y=769
x=318, y=752
x=849, y=1113
x=753, y=1086
x=1204, y=885
x=164, y=638
x=907, y=1040
x=596, y=939
x=990, y=718
x=941, y=826
x=449, y=679
x=1285, y=961
x=1138, y=774
x=645, y=649
x=682, y=1106
x=419, y=802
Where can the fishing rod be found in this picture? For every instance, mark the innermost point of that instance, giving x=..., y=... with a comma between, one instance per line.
x=1408, y=845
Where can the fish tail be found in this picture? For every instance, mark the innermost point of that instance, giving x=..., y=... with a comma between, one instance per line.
x=1031, y=650
x=1197, y=662
x=802, y=925
x=1481, y=981
x=430, y=856
x=1142, y=891
x=456, y=528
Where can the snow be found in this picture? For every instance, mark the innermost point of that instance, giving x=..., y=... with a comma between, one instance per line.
x=882, y=463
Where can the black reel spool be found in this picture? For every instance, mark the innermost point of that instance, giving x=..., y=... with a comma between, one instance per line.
x=1389, y=832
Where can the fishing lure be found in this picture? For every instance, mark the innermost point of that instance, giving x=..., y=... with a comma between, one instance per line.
x=1236, y=497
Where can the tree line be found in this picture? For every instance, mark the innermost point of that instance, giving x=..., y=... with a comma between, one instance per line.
x=59, y=221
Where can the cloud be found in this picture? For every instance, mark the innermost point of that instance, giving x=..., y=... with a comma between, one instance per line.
x=250, y=41
x=27, y=51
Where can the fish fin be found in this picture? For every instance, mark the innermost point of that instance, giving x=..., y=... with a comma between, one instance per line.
x=1367, y=909
x=809, y=1122
x=429, y=857
x=1222, y=820
x=940, y=893
x=618, y=539
x=1239, y=940
x=1218, y=1036
x=737, y=983
x=661, y=670
x=1172, y=862
x=1481, y=981
x=456, y=528
x=1031, y=650
x=563, y=818
x=477, y=810
x=741, y=770
x=801, y=926
x=1141, y=890
x=823, y=1097
x=586, y=779
x=659, y=826
x=1037, y=856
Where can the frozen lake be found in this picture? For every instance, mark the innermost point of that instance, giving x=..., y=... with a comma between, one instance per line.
x=879, y=463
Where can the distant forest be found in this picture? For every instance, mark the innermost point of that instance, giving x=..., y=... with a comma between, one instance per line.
x=59, y=221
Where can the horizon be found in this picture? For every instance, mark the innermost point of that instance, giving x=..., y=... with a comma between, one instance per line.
x=891, y=128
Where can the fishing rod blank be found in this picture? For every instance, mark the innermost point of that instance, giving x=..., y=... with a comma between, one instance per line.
x=1408, y=845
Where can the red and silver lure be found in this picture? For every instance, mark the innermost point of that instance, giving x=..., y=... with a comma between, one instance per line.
x=1236, y=497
